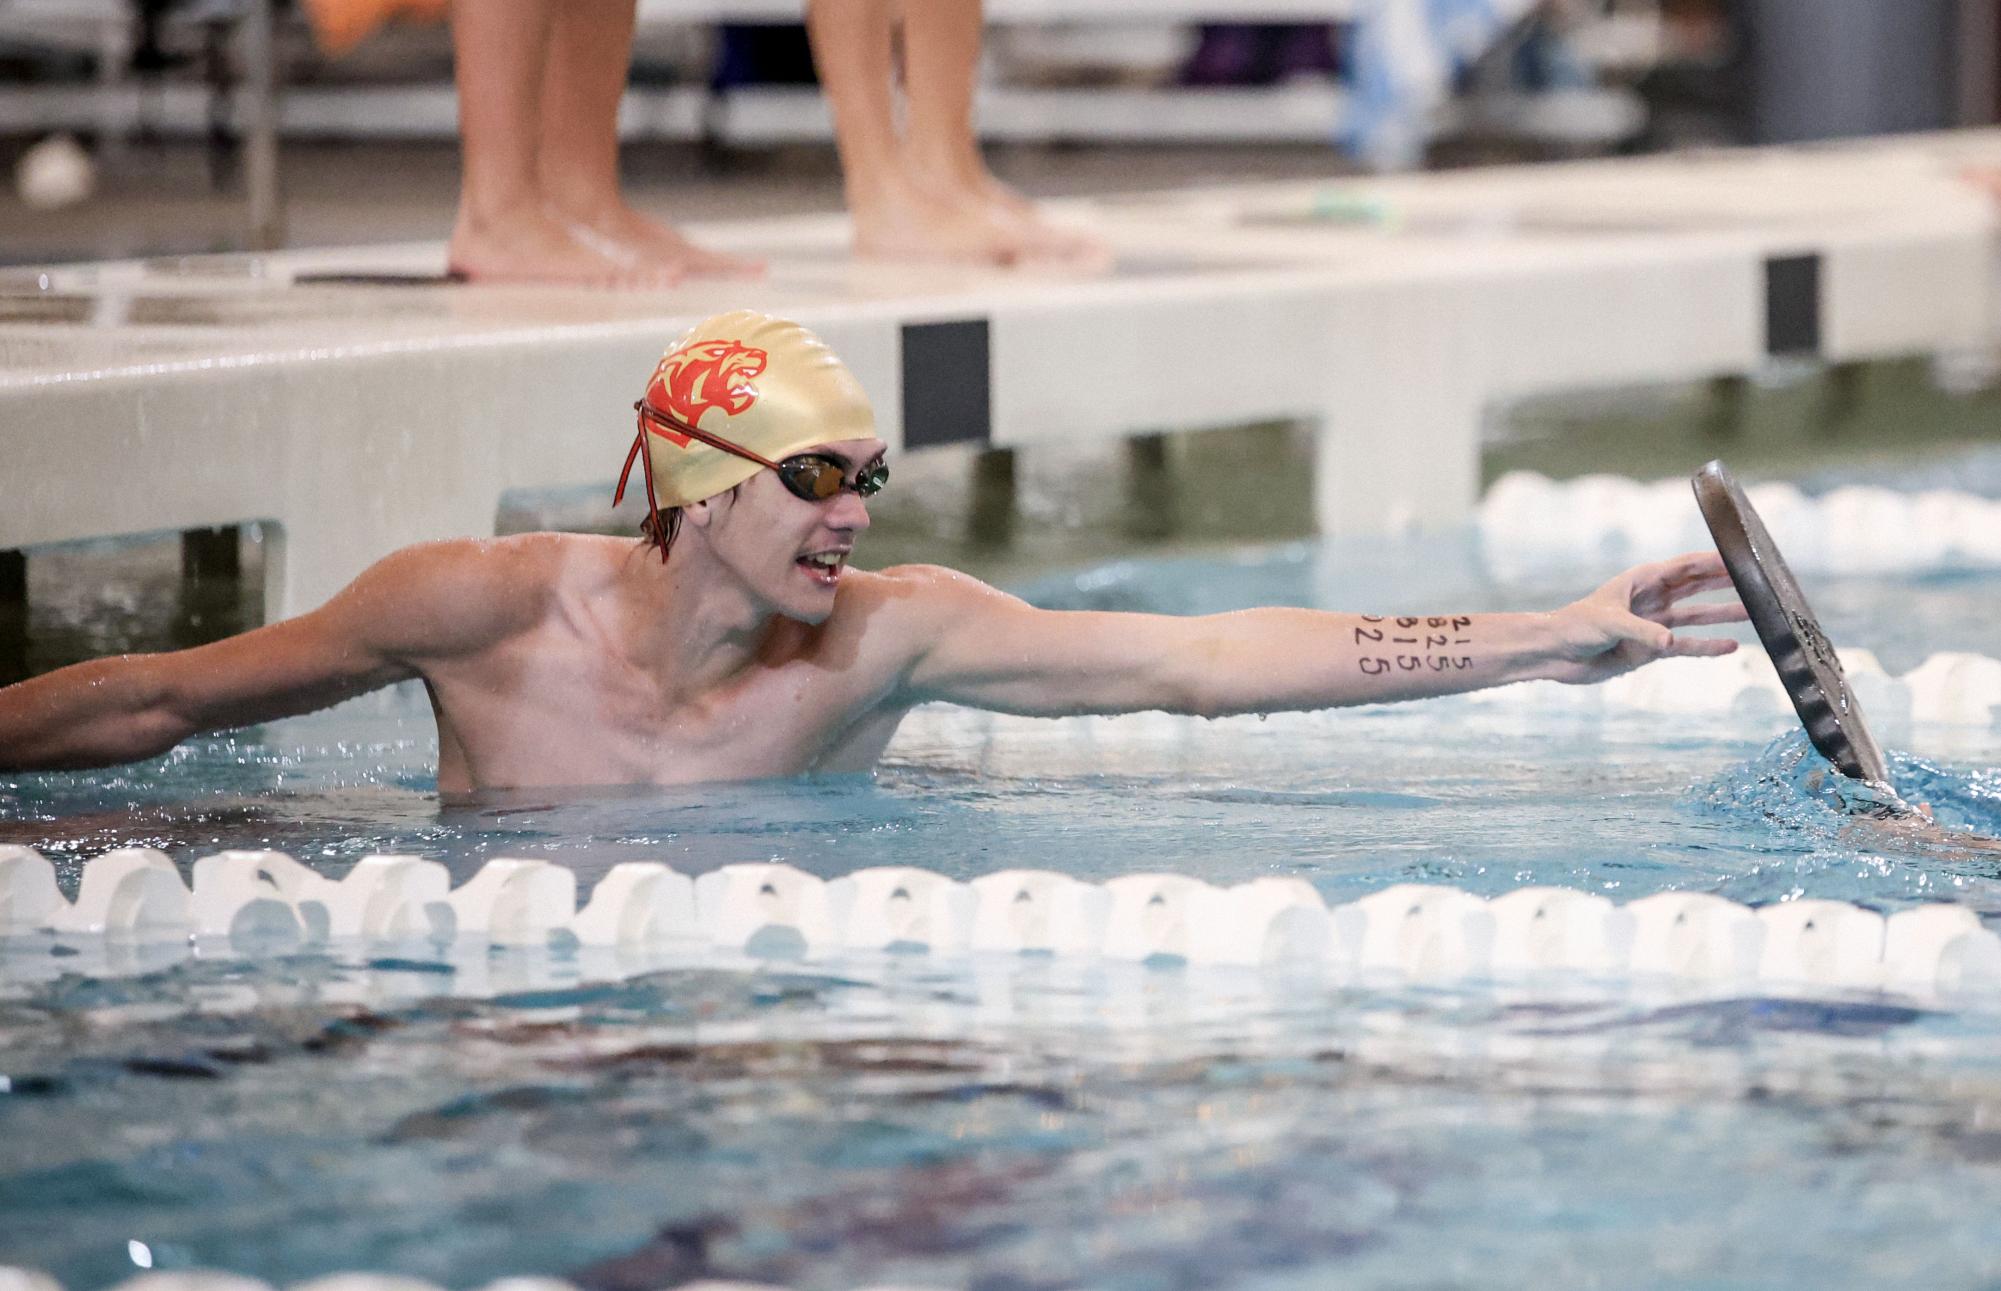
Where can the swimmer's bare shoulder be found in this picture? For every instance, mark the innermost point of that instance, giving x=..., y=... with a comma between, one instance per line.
x=902, y=609
x=926, y=632
x=883, y=622
x=461, y=596
x=411, y=610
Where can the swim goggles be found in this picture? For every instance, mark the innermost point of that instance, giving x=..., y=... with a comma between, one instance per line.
x=810, y=477
x=816, y=478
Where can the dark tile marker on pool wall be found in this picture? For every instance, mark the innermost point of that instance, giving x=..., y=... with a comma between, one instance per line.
x=947, y=383
x=1792, y=306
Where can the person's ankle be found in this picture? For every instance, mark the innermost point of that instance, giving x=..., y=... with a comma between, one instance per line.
x=875, y=207
x=590, y=208
x=944, y=171
x=481, y=215
x=954, y=152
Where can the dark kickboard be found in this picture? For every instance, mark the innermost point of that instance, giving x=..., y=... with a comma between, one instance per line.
x=1786, y=625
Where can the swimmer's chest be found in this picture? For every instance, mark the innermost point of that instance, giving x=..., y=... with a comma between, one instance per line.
x=575, y=718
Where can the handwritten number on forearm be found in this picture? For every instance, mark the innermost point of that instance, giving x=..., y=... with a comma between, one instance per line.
x=1442, y=634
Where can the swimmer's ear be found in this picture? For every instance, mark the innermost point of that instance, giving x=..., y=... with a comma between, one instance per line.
x=700, y=513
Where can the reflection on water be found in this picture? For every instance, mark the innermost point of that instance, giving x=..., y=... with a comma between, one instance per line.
x=1019, y=1124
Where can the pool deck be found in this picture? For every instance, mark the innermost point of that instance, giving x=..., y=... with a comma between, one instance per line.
x=1393, y=314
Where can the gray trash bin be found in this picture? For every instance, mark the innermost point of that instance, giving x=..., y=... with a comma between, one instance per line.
x=1828, y=69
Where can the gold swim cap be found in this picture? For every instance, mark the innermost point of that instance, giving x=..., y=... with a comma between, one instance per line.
x=740, y=392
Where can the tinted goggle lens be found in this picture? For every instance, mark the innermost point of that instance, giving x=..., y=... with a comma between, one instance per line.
x=870, y=480
x=817, y=479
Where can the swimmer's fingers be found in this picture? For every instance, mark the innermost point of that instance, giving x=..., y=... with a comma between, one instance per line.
x=1653, y=587
x=1682, y=589
x=1692, y=566
x=1697, y=585
x=1655, y=601
x=1690, y=616
x=1699, y=647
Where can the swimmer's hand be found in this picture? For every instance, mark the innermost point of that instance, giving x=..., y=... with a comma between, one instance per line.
x=1632, y=619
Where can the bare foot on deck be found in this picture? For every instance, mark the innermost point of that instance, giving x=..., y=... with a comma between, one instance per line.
x=1048, y=243
x=1985, y=178
x=534, y=248
x=620, y=229
x=1035, y=237
x=912, y=222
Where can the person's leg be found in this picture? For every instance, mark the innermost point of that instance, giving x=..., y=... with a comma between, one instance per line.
x=895, y=215
x=589, y=52
x=941, y=51
x=503, y=233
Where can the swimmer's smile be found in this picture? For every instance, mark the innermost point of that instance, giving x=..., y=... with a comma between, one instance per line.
x=824, y=567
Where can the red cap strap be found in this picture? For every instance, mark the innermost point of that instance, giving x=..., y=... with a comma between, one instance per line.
x=658, y=531
x=669, y=424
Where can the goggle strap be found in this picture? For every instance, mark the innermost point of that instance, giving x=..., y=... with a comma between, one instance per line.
x=638, y=447
x=647, y=412
x=660, y=538
x=652, y=498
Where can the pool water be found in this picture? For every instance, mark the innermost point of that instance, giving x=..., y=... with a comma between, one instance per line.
x=1043, y=1123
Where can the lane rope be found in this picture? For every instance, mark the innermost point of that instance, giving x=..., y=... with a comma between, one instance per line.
x=260, y=903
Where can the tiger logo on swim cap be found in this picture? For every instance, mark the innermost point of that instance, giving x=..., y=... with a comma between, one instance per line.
x=692, y=379
x=762, y=383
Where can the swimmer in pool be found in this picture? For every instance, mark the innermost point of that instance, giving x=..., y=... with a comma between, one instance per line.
x=735, y=642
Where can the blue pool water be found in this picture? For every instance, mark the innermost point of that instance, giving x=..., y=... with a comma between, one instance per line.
x=1047, y=1124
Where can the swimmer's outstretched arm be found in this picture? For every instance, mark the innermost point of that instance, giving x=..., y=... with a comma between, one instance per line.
x=990, y=650
x=422, y=602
